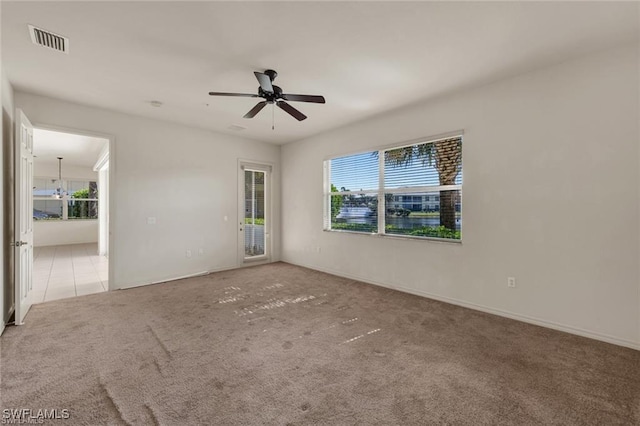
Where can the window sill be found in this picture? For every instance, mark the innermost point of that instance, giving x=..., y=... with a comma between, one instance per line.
x=256, y=259
x=65, y=221
x=396, y=237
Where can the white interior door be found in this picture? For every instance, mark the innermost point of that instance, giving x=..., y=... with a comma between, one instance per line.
x=255, y=212
x=24, y=215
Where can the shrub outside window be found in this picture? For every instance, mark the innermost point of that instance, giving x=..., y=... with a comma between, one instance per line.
x=410, y=190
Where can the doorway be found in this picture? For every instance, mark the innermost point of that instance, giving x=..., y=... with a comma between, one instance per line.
x=70, y=214
x=255, y=212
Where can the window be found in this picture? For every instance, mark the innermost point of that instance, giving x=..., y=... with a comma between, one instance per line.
x=418, y=187
x=354, y=184
x=72, y=199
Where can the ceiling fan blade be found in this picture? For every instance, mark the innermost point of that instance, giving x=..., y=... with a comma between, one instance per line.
x=303, y=98
x=291, y=110
x=244, y=95
x=256, y=109
x=265, y=81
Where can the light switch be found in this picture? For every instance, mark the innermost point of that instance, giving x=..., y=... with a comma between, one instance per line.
x=151, y=221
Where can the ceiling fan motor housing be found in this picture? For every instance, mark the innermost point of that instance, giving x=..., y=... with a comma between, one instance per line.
x=272, y=74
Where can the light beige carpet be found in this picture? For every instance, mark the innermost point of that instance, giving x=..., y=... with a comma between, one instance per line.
x=279, y=344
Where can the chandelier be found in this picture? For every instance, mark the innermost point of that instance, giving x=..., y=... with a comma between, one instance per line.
x=60, y=192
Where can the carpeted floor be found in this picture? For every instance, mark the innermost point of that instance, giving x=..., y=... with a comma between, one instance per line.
x=278, y=344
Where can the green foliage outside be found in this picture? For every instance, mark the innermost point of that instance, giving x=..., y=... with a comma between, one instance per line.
x=83, y=209
x=336, y=203
x=82, y=193
x=424, y=231
x=359, y=227
x=256, y=221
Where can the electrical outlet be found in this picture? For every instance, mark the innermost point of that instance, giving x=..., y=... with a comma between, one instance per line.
x=200, y=251
x=188, y=253
x=511, y=282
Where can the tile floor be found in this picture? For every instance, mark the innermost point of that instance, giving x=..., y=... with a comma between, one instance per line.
x=68, y=271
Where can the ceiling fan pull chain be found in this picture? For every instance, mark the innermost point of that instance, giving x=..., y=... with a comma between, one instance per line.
x=273, y=116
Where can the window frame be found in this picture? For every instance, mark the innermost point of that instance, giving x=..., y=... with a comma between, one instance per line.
x=381, y=191
x=66, y=199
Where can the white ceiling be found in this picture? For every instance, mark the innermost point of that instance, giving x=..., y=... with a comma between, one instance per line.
x=364, y=57
x=76, y=150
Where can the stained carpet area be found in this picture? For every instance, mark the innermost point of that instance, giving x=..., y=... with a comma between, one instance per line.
x=283, y=345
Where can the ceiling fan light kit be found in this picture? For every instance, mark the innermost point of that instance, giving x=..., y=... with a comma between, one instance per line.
x=60, y=192
x=273, y=94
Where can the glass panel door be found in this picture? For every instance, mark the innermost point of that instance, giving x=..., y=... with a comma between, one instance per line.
x=255, y=226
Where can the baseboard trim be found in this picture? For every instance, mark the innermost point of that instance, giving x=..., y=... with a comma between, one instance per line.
x=66, y=243
x=163, y=280
x=499, y=312
x=182, y=277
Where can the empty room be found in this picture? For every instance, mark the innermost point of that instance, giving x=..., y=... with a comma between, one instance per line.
x=320, y=213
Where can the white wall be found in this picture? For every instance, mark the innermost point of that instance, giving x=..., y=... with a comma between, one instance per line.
x=6, y=199
x=550, y=197
x=62, y=232
x=69, y=172
x=184, y=177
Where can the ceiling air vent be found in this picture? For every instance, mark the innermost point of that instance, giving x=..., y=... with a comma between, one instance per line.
x=48, y=39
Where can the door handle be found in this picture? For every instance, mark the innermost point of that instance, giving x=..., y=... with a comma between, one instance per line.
x=20, y=243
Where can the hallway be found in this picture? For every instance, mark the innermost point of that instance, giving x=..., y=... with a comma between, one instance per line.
x=66, y=271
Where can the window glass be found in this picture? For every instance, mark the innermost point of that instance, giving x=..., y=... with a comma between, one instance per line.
x=355, y=172
x=80, y=197
x=47, y=209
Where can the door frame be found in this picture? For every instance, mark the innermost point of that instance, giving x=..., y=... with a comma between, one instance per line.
x=112, y=185
x=266, y=167
x=102, y=167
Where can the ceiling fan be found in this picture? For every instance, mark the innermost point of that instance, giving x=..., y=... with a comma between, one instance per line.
x=273, y=95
